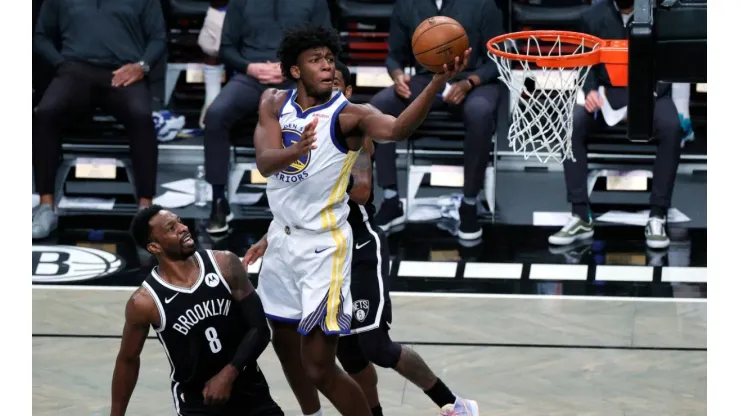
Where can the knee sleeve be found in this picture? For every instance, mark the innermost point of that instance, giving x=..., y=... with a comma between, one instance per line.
x=378, y=347
x=350, y=355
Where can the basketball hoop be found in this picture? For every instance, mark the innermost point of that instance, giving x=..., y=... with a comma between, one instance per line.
x=556, y=64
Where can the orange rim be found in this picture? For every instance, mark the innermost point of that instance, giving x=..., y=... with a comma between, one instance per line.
x=612, y=53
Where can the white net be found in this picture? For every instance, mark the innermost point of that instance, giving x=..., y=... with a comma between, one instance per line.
x=542, y=98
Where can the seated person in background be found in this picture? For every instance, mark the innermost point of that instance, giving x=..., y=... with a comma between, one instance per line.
x=474, y=92
x=209, y=41
x=249, y=41
x=609, y=20
x=102, y=52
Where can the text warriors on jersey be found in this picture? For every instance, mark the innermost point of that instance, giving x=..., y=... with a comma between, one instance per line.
x=297, y=171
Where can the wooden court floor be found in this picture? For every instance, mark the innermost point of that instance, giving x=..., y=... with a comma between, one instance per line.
x=514, y=355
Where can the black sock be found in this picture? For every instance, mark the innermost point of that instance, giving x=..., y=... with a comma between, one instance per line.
x=659, y=212
x=582, y=211
x=377, y=411
x=440, y=394
x=219, y=191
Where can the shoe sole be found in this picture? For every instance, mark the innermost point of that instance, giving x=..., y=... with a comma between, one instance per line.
x=470, y=236
x=222, y=229
x=658, y=244
x=394, y=222
x=564, y=241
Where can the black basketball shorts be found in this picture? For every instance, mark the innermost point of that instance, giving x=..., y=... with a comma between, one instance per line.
x=371, y=302
x=242, y=403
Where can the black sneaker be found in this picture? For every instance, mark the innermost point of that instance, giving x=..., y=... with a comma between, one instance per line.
x=390, y=213
x=220, y=216
x=469, y=227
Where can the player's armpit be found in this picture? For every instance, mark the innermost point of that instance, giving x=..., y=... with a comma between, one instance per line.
x=268, y=143
x=135, y=331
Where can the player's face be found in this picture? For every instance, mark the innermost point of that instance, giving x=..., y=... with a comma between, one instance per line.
x=341, y=85
x=317, y=71
x=170, y=237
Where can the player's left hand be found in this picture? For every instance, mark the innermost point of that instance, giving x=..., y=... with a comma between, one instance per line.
x=218, y=388
x=452, y=69
x=457, y=92
x=127, y=75
x=255, y=251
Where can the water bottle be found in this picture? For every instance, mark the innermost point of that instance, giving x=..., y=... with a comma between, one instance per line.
x=201, y=187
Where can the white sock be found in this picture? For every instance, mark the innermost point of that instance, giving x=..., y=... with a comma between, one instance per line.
x=470, y=200
x=213, y=76
x=319, y=413
x=681, y=94
x=388, y=194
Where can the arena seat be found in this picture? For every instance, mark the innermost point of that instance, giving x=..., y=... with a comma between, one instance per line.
x=363, y=27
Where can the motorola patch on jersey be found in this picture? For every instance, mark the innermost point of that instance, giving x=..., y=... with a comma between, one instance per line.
x=59, y=264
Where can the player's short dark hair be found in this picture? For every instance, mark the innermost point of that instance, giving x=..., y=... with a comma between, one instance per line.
x=345, y=72
x=303, y=38
x=140, y=230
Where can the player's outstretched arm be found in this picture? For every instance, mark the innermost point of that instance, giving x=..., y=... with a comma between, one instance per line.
x=362, y=174
x=258, y=336
x=384, y=128
x=135, y=331
x=268, y=142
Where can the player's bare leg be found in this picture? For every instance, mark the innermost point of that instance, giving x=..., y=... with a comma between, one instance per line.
x=318, y=351
x=368, y=381
x=287, y=344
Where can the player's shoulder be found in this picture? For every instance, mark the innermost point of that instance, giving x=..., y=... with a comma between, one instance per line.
x=224, y=258
x=140, y=305
x=360, y=109
x=273, y=98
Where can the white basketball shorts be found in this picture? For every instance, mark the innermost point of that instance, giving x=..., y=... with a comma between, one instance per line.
x=305, y=278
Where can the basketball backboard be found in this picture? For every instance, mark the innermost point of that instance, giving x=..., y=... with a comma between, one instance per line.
x=667, y=42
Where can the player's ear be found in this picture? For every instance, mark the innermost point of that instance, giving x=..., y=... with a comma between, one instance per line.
x=348, y=91
x=154, y=248
x=295, y=72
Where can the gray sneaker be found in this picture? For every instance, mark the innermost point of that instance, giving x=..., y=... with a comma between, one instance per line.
x=655, y=235
x=44, y=221
x=575, y=229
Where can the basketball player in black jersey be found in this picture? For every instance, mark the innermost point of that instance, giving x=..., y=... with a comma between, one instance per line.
x=207, y=317
x=369, y=342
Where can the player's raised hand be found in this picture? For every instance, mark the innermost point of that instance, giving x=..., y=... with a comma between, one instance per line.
x=452, y=69
x=307, y=141
x=218, y=389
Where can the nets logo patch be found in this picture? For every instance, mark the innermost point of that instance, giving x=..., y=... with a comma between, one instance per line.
x=60, y=264
x=361, y=308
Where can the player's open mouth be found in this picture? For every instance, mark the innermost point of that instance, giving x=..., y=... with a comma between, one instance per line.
x=328, y=81
x=187, y=239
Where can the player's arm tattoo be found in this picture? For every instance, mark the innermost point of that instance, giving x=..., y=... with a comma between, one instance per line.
x=235, y=274
x=362, y=178
x=414, y=369
x=135, y=330
x=258, y=333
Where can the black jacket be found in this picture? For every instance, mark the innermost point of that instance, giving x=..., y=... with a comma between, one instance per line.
x=253, y=28
x=605, y=21
x=107, y=33
x=481, y=19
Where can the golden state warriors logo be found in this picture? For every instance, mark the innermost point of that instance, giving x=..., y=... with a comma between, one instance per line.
x=296, y=172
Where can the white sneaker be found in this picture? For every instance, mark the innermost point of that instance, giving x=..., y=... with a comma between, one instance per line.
x=575, y=229
x=655, y=235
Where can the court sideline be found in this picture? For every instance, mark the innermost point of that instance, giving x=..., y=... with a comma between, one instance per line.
x=514, y=354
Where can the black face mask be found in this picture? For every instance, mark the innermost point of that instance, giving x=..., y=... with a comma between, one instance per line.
x=624, y=4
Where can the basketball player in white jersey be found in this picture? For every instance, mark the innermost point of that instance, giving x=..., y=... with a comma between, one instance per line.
x=306, y=143
x=369, y=341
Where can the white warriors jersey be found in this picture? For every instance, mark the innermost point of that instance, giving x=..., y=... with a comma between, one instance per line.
x=310, y=194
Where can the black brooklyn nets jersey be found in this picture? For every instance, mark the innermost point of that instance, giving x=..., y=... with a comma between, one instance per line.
x=358, y=214
x=201, y=328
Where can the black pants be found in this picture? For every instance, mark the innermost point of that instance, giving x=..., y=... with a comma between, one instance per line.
x=237, y=99
x=73, y=91
x=668, y=134
x=478, y=113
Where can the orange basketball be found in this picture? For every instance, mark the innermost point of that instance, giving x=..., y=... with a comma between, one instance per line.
x=437, y=41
